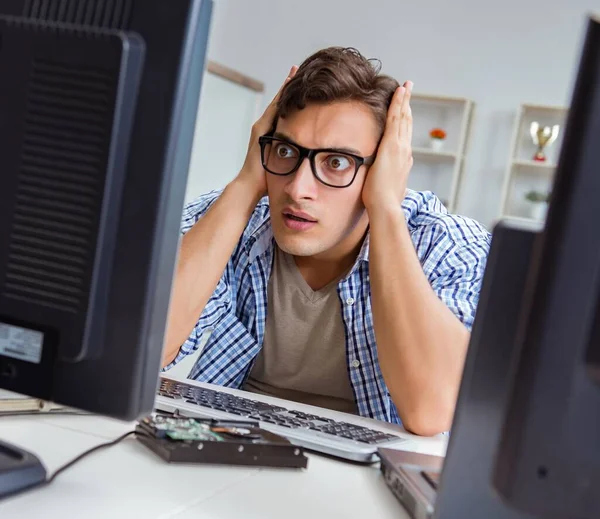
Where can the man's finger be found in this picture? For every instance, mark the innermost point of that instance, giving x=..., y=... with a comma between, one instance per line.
x=269, y=114
x=291, y=74
x=392, y=126
x=406, y=112
x=406, y=124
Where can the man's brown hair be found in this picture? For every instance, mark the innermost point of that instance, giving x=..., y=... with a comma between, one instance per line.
x=339, y=74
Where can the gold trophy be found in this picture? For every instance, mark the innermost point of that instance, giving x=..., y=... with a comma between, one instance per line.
x=543, y=136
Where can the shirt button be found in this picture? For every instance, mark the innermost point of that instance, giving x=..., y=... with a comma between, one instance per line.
x=355, y=363
x=350, y=301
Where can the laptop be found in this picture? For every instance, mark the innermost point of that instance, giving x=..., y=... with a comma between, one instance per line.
x=413, y=478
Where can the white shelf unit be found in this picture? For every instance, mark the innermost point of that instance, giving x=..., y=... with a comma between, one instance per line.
x=523, y=174
x=440, y=171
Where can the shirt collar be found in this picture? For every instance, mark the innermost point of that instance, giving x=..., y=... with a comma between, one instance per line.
x=261, y=240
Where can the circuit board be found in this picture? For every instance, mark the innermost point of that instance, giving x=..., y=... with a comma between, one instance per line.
x=195, y=440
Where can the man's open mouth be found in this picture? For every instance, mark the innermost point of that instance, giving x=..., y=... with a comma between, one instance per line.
x=298, y=218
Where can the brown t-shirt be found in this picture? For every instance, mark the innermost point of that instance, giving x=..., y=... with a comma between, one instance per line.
x=304, y=351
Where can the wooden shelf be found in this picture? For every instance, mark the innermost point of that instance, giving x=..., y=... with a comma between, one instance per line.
x=520, y=219
x=542, y=167
x=438, y=98
x=426, y=152
x=236, y=77
x=544, y=108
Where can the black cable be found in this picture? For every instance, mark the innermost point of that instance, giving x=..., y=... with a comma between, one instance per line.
x=87, y=453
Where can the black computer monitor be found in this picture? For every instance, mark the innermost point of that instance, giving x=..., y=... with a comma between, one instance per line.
x=548, y=461
x=98, y=102
x=525, y=441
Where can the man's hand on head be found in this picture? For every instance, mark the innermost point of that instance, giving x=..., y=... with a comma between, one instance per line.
x=252, y=174
x=387, y=178
x=421, y=343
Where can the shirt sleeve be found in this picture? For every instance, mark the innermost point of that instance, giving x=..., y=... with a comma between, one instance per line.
x=458, y=276
x=220, y=301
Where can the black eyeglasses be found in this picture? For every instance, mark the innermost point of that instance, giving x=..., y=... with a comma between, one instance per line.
x=331, y=167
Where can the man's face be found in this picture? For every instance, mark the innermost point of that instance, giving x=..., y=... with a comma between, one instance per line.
x=334, y=218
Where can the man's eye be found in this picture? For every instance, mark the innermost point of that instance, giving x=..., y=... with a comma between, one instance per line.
x=284, y=151
x=338, y=162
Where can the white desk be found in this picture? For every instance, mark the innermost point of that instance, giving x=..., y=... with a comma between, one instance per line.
x=129, y=481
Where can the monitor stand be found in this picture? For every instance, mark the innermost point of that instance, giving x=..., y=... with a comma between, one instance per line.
x=19, y=470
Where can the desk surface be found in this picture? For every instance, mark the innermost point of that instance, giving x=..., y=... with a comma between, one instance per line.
x=127, y=480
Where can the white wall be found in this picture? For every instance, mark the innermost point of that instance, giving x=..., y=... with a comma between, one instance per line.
x=226, y=113
x=497, y=53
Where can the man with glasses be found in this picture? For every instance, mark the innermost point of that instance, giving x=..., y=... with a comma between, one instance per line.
x=323, y=278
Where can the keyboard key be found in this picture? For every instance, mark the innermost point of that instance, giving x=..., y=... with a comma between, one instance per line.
x=238, y=412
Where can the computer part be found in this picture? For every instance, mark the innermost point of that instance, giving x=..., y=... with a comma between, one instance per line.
x=413, y=478
x=209, y=441
x=98, y=101
x=311, y=431
x=98, y=110
x=19, y=470
x=483, y=392
x=525, y=440
x=548, y=460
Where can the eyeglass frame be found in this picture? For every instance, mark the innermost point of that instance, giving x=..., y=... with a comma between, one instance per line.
x=310, y=153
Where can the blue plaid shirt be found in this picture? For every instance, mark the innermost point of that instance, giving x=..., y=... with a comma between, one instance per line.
x=452, y=250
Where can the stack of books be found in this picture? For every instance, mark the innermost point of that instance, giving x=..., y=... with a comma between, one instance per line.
x=14, y=403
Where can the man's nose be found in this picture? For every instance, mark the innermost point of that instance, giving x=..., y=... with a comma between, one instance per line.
x=302, y=184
